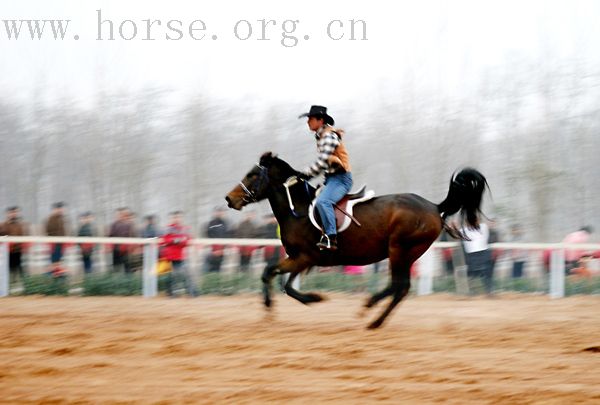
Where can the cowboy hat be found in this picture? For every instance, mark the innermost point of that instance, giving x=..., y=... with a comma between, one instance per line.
x=319, y=111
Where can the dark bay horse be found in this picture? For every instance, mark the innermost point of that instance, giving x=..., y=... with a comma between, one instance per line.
x=400, y=227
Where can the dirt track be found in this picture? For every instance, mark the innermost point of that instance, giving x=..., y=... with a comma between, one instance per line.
x=440, y=349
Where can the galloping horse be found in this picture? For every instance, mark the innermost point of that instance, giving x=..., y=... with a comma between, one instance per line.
x=400, y=227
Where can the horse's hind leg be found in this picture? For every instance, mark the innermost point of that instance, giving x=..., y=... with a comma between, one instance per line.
x=375, y=298
x=400, y=291
x=400, y=261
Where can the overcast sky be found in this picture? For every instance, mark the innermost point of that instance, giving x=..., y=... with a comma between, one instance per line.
x=438, y=42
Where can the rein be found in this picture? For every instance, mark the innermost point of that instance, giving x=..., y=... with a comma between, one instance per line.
x=293, y=180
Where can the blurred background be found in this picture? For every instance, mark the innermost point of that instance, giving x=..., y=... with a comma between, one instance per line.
x=511, y=88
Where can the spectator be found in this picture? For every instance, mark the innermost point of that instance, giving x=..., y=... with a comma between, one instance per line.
x=122, y=228
x=478, y=255
x=546, y=259
x=174, y=242
x=14, y=226
x=86, y=229
x=149, y=230
x=572, y=256
x=494, y=238
x=218, y=227
x=519, y=256
x=56, y=226
x=135, y=252
x=132, y=218
x=247, y=229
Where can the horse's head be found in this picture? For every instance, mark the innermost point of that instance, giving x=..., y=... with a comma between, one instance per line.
x=269, y=171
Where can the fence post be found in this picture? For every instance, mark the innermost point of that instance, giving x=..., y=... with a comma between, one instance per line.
x=4, y=270
x=150, y=280
x=461, y=276
x=426, y=265
x=557, y=273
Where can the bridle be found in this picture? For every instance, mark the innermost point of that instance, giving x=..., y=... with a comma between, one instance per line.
x=250, y=194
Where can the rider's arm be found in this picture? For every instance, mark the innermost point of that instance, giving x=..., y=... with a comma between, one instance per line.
x=326, y=146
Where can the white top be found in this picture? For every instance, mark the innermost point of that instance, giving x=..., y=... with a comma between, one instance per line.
x=478, y=238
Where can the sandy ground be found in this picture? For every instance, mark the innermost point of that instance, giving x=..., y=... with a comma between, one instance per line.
x=439, y=349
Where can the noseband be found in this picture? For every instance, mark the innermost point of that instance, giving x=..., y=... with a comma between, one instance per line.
x=250, y=194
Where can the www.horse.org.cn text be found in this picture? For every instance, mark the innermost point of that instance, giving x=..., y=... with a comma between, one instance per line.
x=288, y=33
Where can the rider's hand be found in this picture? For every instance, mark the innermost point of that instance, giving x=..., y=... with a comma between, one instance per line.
x=303, y=176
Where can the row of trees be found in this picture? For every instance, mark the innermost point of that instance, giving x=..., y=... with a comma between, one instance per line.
x=531, y=129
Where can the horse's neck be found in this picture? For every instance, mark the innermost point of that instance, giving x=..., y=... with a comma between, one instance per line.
x=280, y=203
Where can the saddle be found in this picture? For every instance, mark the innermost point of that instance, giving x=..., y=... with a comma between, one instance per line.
x=343, y=209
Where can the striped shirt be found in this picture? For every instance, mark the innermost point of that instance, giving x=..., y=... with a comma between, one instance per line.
x=326, y=144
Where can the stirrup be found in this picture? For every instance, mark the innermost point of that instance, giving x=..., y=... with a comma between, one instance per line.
x=326, y=244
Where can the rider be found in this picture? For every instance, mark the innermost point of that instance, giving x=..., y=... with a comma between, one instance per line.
x=333, y=160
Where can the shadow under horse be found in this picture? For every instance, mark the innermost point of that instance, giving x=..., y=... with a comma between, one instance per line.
x=400, y=227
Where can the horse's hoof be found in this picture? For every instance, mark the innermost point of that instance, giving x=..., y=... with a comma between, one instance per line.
x=312, y=298
x=374, y=325
x=370, y=303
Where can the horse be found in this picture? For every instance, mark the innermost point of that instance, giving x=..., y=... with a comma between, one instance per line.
x=400, y=227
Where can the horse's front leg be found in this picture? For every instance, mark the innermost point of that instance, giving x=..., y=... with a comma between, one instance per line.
x=268, y=274
x=307, y=298
x=287, y=265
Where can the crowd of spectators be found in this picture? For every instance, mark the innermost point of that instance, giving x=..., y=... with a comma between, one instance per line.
x=174, y=238
x=480, y=255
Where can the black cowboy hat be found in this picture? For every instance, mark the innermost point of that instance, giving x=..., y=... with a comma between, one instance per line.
x=319, y=111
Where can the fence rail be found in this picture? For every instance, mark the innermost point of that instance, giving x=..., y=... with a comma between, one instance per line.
x=426, y=264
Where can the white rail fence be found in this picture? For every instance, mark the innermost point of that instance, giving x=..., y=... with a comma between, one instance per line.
x=428, y=265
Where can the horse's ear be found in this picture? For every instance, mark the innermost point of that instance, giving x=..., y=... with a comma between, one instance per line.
x=267, y=158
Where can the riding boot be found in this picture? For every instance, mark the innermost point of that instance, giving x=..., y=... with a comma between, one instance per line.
x=328, y=242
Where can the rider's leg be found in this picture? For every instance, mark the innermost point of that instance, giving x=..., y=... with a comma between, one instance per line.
x=336, y=187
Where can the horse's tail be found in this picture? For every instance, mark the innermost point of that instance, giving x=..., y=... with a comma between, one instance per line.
x=465, y=195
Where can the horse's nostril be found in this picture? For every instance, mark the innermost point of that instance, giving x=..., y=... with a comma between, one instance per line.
x=228, y=200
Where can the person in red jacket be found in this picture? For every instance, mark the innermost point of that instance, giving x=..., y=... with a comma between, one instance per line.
x=174, y=242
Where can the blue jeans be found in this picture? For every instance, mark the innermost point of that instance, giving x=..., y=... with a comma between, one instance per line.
x=57, y=253
x=87, y=262
x=517, y=271
x=336, y=187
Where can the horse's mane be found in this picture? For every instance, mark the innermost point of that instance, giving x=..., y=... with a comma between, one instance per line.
x=268, y=159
